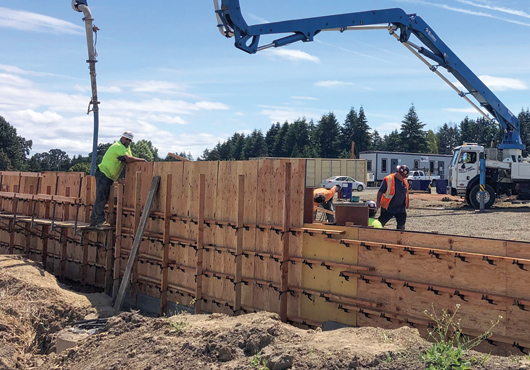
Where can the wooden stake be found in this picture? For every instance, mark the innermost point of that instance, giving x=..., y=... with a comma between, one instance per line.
x=286, y=224
x=137, y=240
x=165, y=245
x=239, y=244
x=137, y=215
x=200, y=246
x=117, y=247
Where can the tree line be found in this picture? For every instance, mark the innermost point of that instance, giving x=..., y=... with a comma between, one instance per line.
x=327, y=138
x=330, y=139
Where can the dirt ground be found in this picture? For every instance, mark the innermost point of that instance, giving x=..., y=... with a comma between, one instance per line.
x=34, y=308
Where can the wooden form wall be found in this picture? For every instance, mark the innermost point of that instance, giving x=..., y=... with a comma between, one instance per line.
x=400, y=275
x=43, y=216
x=229, y=237
x=220, y=234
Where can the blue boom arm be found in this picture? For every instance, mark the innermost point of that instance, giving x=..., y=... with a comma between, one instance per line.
x=247, y=38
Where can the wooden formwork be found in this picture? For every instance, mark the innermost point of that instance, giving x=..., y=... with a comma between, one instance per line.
x=230, y=237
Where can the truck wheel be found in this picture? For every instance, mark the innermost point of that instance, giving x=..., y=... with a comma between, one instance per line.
x=489, y=197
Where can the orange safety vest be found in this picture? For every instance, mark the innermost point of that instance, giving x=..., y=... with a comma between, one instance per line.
x=328, y=193
x=391, y=190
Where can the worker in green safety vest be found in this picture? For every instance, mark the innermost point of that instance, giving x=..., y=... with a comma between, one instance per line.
x=372, y=210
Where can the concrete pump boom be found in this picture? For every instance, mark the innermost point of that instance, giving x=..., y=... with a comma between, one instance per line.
x=247, y=38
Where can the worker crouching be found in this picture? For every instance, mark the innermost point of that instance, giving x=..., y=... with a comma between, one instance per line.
x=323, y=198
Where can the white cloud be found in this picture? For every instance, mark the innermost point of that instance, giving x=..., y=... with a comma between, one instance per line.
x=470, y=110
x=387, y=127
x=498, y=83
x=157, y=87
x=28, y=21
x=329, y=84
x=502, y=83
x=303, y=98
x=293, y=55
x=519, y=13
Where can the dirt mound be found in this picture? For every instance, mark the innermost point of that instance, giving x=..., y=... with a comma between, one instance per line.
x=217, y=341
x=33, y=309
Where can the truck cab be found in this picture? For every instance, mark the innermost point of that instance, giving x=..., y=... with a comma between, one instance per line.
x=464, y=168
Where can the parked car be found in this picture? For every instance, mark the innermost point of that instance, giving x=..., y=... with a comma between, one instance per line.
x=339, y=180
x=421, y=175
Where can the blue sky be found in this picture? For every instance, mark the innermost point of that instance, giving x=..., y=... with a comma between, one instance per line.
x=165, y=72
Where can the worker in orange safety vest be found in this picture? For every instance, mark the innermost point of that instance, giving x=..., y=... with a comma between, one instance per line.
x=393, y=197
x=323, y=197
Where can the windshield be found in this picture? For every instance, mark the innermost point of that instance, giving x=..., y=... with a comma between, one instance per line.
x=455, y=157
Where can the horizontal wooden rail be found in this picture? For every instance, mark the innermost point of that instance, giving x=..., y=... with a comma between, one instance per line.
x=436, y=252
x=523, y=304
x=329, y=264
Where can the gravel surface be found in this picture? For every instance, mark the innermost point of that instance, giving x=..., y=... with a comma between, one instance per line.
x=450, y=215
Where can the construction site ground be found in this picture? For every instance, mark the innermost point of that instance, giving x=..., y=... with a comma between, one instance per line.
x=34, y=308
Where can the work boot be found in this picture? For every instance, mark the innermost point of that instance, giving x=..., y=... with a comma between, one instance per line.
x=103, y=225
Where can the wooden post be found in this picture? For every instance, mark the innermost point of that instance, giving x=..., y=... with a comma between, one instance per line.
x=200, y=246
x=46, y=229
x=239, y=244
x=109, y=261
x=64, y=234
x=165, y=246
x=137, y=240
x=117, y=247
x=11, y=236
x=84, y=261
x=137, y=216
x=286, y=224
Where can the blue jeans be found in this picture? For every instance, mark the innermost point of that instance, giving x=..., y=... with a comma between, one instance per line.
x=103, y=184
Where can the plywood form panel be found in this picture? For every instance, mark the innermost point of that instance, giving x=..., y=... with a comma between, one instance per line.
x=250, y=171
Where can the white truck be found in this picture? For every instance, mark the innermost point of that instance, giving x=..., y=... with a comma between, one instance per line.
x=421, y=175
x=506, y=173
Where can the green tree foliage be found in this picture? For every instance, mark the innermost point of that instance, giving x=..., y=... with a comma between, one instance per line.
x=480, y=131
x=144, y=149
x=14, y=149
x=377, y=141
x=524, y=118
x=413, y=137
x=53, y=160
x=432, y=142
x=327, y=136
x=448, y=138
x=357, y=130
x=80, y=167
x=392, y=142
x=255, y=146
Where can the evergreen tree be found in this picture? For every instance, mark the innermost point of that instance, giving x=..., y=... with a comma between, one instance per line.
x=524, y=118
x=255, y=146
x=361, y=135
x=327, y=136
x=14, y=149
x=347, y=132
x=279, y=148
x=238, y=142
x=377, y=141
x=392, y=142
x=270, y=137
x=432, y=142
x=413, y=138
x=448, y=138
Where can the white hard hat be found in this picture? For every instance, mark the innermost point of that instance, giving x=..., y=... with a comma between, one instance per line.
x=128, y=135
